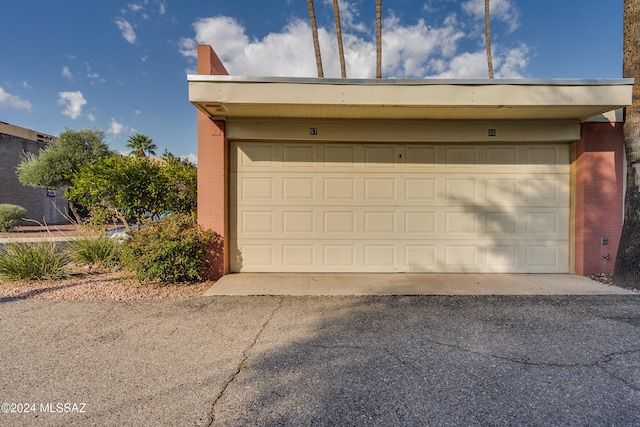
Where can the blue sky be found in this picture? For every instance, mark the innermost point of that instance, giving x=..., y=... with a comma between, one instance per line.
x=121, y=66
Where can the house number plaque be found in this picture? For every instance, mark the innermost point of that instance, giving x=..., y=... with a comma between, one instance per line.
x=313, y=131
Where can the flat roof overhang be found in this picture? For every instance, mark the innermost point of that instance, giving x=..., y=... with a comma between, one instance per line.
x=230, y=97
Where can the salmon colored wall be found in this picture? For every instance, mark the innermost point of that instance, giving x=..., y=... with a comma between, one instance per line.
x=599, y=182
x=212, y=170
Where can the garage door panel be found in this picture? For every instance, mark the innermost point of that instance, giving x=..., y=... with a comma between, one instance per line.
x=298, y=155
x=420, y=156
x=466, y=157
x=298, y=255
x=420, y=258
x=380, y=189
x=491, y=256
x=406, y=207
x=380, y=257
x=295, y=223
x=462, y=190
x=501, y=156
x=380, y=156
x=257, y=188
x=339, y=189
x=420, y=223
x=501, y=257
x=339, y=256
x=339, y=156
x=298, y=189
x=253, y=156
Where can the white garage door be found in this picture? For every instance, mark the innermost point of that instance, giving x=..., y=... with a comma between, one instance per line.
x=314, y=207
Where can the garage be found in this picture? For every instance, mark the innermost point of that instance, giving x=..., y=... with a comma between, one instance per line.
x=380, y=207
x=317, y=175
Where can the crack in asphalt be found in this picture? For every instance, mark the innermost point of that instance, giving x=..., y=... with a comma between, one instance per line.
x=599, y=363
x=243, y=360
x=526, y=361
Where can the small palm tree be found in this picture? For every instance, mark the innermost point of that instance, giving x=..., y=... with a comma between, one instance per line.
x=141, y=145
x=314, y=33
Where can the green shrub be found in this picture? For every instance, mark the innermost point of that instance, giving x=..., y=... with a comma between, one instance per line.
x=32, y=261
x=101, y=251
x=171, y=249
x=10, y=216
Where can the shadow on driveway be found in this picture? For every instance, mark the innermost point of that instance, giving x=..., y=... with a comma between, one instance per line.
x=442, y=361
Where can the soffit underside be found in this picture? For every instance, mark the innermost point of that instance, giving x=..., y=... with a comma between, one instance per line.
x=282, y=100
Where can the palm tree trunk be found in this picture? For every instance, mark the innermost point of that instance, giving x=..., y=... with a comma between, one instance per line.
x=336, y=13
x=627, y=267
x=378, y=39
x=487, y=37
x=316, y=42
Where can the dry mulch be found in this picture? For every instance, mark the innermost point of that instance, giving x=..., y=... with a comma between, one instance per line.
x=97, y=284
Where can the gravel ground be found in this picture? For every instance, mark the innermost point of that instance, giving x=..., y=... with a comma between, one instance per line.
x=99, y=285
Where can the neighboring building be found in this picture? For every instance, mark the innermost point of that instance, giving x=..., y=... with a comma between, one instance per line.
x=42, y=205
x=482, y=176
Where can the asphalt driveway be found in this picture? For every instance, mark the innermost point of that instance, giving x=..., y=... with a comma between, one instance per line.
x=376, y=360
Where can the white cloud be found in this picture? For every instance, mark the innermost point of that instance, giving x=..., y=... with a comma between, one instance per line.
x=25, y=85
x=502, y=10
x=405, y=48
x=348, y=15
x=72, y=103
x=162, y=8
x=187, y=47
x=12, y=102
x=116, y=128
x=510, y=63
x=127, y=30
x=472, y=65
x=91, y=117
x=135, y=7
x=66, y=73
x=193, y=158
x=410, y=50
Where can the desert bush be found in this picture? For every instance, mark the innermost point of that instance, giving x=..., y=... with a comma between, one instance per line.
x=10, y=216
x=171, y=249
x=101, y=251
x=32, y=261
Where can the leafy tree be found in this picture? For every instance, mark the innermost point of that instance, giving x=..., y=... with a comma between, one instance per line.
x=120, y=187
x=182, y=178
x=56, y=164
x=124, y=188
x=141, y=145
